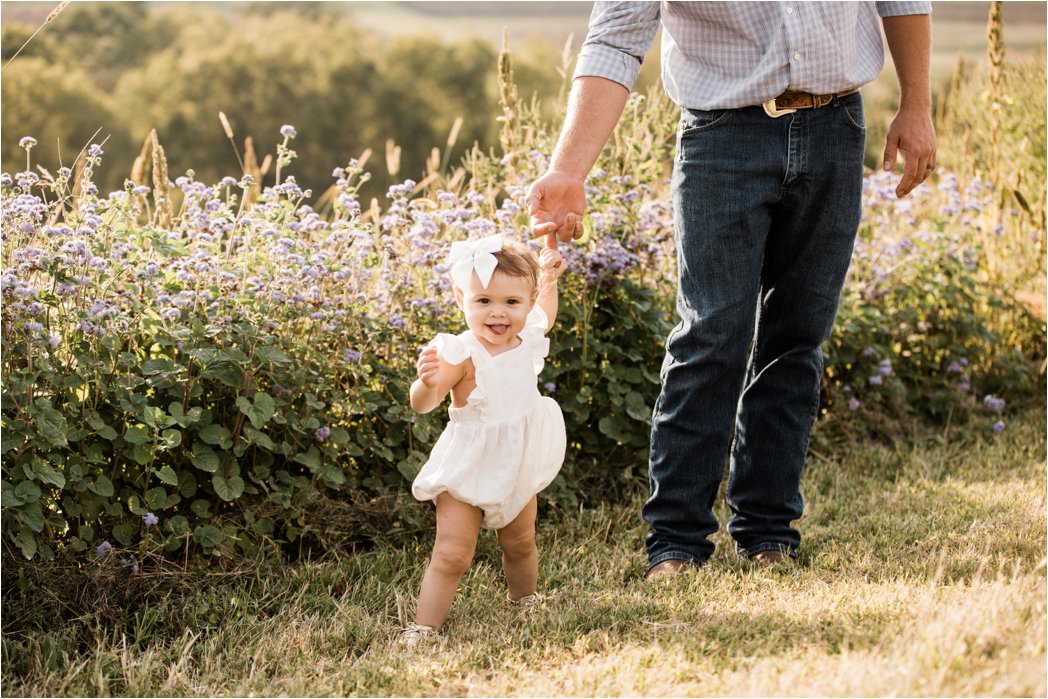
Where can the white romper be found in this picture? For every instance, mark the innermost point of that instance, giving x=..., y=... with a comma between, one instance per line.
x=508, y=442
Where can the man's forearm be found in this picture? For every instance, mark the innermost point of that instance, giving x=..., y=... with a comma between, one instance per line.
x=594, y=108
x=909, y=40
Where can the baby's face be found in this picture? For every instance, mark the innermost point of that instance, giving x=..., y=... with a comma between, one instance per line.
x=496, y=314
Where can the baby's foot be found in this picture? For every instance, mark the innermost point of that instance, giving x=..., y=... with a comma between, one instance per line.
x=411, y=634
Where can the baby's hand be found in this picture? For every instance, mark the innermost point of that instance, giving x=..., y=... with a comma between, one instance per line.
x=551, y=264
x=427, y=366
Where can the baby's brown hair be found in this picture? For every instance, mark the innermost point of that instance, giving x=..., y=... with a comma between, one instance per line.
x=518, y=260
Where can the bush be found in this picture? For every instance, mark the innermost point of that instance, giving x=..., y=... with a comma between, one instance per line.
x=240, y=376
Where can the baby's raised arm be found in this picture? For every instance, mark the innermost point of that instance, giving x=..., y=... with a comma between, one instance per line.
x=435, y=379
x=551, y=266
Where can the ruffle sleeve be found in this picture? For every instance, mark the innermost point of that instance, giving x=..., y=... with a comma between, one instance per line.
x=450, y=348
x=535, y=335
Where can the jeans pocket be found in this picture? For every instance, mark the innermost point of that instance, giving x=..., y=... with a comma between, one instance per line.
x=851, y=109
x=697, y=121
x=693, y=121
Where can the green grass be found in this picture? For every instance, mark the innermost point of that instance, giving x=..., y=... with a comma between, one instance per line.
x=922, y=573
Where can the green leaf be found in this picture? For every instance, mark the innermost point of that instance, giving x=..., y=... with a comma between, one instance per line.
x=636, y=408
x=156, y=498
x=46, y=473
x=49, y=423
x=171, y=438
x=201, y=508
x=26, y=542
x=208, y=536
x=217, y=435
x=27, y=491
x=260, y=411
x=142, y=454
x=158, y=366
x=167, y=475
x=261, y=439
x=271, y=354
x=136, y=435
x=32, y=515
x=102, y=486
x=204, y=457
x=9, y=495
x=228, y=489
x=613, y=427
x=333, y=474
x=134, y=503
x=310, y=459
x=10, y=440
x=227, y=372
x=125, y=532
x=182, y=418
x=409, y=468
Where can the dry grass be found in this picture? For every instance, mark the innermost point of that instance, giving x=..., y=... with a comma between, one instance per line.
x=922, y=574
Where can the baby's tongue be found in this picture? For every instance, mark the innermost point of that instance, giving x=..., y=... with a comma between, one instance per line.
x=499, y=329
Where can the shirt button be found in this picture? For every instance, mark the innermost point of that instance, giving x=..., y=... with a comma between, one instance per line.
x=796, y=57
x=789, y=10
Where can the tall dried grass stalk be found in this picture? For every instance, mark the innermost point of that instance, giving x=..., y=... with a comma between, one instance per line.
x=141, y=165
x=50, y=18
x=452, y=140
x=161, y=200
x=509, y=136
x=392, y=157
x=229, y=134
x=995, y=52
x=252, y=193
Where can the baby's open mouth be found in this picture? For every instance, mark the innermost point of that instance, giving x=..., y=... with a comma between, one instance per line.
x=499, y=329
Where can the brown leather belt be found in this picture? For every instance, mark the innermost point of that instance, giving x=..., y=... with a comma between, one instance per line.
x=790, y=101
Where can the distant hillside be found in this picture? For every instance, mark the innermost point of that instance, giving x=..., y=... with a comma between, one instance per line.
x=464, y=12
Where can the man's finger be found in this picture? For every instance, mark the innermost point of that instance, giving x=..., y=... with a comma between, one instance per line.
x=910, y=177
x=533, y=199
x=890, y=152
x=551, y=241
x=540, y=229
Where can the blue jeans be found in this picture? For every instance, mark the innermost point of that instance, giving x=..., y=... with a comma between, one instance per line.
x=766, y=212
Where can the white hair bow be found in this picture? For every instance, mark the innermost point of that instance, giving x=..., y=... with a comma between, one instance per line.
x=468, y=256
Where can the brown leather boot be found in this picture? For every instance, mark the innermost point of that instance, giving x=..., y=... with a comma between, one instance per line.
x=767, y=559
x=668, y=568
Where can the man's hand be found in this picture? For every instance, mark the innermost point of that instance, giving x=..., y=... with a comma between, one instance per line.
x=556, y=202
x=911, y=132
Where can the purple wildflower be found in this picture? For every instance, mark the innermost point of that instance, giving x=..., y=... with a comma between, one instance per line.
x=853, y=404
x=102, y=549
x=998, y=427
x=322, y=433
x=150, y=519
x=550, y=387
x=885, y=367
x=876, y=380
x=869, y=352
x=288, y=131
x=993, y=403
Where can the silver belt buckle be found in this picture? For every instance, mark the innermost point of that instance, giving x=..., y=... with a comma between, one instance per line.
x=774, y=112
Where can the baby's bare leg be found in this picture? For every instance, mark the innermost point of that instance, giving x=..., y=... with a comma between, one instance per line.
x=520, y=555
x=457, y=527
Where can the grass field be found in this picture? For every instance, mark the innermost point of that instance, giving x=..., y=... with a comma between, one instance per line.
x=922, y=573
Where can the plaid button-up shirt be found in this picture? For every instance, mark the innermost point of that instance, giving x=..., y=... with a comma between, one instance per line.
x=722, y=55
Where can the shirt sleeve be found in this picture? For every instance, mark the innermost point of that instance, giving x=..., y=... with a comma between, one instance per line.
x=450, y=348
x=619, y=35
x=894, y=9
